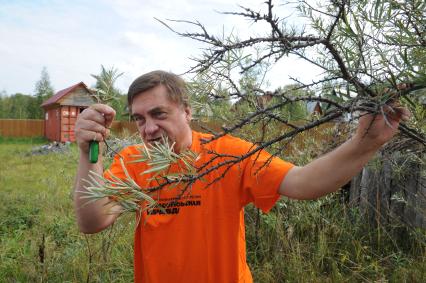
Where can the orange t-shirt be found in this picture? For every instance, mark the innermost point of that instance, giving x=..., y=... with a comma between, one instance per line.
x=201, y=237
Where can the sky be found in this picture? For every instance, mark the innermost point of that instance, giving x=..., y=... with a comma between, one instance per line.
x=72, y=39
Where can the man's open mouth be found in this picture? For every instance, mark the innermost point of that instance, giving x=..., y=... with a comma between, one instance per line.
x=155, y=140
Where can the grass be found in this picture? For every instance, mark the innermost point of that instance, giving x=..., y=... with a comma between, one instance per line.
x=22, y=140
x=39, y=240
x=326, y=241
x=317, y=241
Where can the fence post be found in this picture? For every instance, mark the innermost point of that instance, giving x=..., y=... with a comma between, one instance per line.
x=394, y=190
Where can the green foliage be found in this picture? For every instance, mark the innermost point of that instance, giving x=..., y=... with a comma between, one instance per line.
x=379, y=42
x=327, y=241
x=160, y=157
x=17, y=106
x=208, y=101
x=294, y=111
x=23, y=106
x=370, y=53
x=417, y=107
x=43, y=91
x=107, y=93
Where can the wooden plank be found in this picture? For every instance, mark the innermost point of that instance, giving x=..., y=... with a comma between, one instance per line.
x=409, y=179
x=21, y=128
x=354, y=190
x=421, y=195
x=369, y=194
x=384, y=187
x=79, y=97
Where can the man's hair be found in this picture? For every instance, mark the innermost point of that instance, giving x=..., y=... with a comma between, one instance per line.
x=175, y=85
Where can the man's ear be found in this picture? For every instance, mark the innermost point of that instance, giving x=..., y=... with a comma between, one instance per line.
x=188, y=114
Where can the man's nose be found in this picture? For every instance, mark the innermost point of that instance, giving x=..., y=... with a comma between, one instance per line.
x=150, y=127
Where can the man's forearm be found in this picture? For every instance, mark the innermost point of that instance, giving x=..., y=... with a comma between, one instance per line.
x=95, y=216
x=329, y=172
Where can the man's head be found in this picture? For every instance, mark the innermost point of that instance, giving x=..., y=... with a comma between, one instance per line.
x=174, y=84
x=158, y=102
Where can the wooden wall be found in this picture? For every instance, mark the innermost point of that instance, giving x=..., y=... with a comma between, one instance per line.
x=21, y=128
x=52, y=124
x=79, y=97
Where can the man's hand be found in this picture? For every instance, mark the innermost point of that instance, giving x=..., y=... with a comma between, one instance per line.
x=93, y=125
x=374, y=130
x=329, y=172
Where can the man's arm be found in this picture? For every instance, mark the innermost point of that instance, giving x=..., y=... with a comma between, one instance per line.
x=330, y=172
x=92, y=124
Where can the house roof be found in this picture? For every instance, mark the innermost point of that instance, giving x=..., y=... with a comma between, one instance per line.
x=63, y=93
x=313, y=106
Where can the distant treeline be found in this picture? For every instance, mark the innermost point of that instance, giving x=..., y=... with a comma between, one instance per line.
x=25, y=106
x=20, y=106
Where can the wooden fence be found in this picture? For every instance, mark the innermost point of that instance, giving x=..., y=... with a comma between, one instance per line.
x=35, y=128
x=392, y=190
x=21, y=128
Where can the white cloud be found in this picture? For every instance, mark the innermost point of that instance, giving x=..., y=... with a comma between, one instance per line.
x=72, y=39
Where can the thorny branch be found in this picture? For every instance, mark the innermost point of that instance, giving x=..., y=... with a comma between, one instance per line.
x=363, y=71
x=365, y=80
x=281, y=41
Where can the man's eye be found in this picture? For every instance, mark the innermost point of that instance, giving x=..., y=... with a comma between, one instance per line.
x=137, y=118
x=160, y=114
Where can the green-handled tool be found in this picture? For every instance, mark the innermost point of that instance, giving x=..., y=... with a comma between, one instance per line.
x=93, y=151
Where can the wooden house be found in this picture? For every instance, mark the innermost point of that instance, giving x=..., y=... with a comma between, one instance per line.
x=314, y=108
x=62, y=109
x=261, y=101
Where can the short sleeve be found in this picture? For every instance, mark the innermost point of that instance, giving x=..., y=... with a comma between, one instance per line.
x=261, y=179
x=122, y=167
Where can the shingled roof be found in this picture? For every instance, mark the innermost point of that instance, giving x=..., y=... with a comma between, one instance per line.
x=63, y=93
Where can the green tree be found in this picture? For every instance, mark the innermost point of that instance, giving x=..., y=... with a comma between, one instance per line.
x=43, y=91
x=107, y=93
x=3, y=95
x=296, y=111
x=16, y=106
x=210, y=103
x=366, y=49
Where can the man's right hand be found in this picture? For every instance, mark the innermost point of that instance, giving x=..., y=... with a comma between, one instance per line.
x=93, y=125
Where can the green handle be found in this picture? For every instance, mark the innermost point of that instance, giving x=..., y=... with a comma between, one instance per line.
x=93, y=151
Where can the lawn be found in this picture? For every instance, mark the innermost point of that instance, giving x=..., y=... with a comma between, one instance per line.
x=40, y=241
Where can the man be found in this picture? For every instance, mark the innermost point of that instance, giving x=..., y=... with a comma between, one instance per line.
x=201, y=238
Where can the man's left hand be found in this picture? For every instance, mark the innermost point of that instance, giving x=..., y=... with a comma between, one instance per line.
x=374, y=130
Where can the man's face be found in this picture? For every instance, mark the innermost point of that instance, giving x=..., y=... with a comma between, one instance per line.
x=156, y=115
